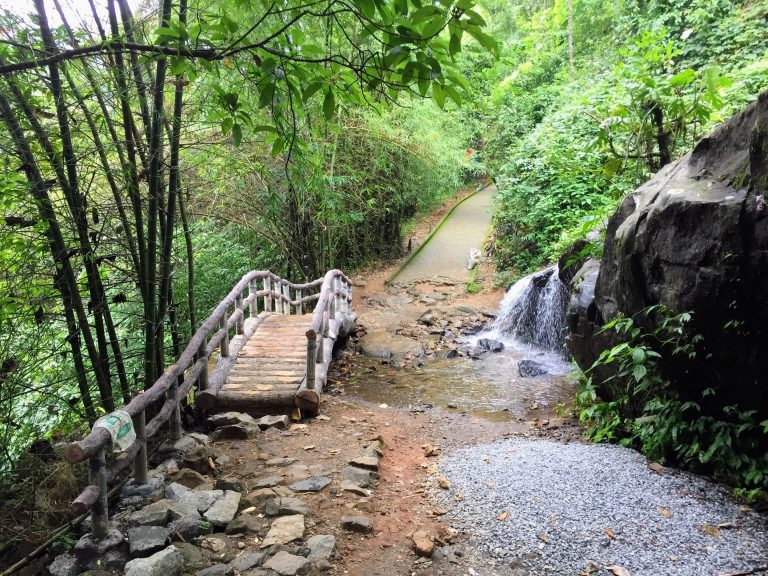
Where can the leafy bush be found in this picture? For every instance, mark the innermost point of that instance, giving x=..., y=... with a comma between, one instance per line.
x=647, y=411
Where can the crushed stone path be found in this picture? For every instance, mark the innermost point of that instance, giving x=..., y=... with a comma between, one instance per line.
x=445, y=255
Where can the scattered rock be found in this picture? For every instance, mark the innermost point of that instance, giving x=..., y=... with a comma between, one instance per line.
x=366, y=462
x=280, y=461
x=193, y=558
x=443, y=482
x=284, y=529
x=385, y=346
x=146, y=540
x=359, y=477
x=259, y=497
x=230, y=419
x=247, y=560
x=217, y=570
x=168, y=562
x=285, y=506
x=190, y=478
x=287, y=564
x=89, y=548
x=231, y=484
x=64, y=565
x=490, y=345
x=202, y=500
x=422, y=543
x=234, y=432
x=313, y=484
x=174, y=491
x=350, y=486
x=190, y=527
x=267, y=481
x=245, y=524
x=216, y=544
x=531, y=368
x=357, y=524
x=321, y=547
x=155, y=482
x=281, y=422
x=223, y=511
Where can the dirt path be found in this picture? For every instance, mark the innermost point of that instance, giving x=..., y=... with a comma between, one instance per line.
x=445, y=254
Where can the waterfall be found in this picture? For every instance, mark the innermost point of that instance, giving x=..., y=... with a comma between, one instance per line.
x=533, y=311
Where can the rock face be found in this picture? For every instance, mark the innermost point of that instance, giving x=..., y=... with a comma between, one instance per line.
x=694, y=238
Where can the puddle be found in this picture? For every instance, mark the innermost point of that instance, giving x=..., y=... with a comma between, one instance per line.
x=490, y=387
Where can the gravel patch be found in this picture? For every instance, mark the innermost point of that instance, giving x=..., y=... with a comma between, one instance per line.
x=569, y=505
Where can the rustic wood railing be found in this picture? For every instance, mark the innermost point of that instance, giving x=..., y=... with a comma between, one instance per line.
x=330, y=294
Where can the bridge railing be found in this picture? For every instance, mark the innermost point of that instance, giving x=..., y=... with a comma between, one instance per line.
x=277, y=295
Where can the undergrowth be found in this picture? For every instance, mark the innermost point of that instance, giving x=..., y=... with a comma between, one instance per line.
x=647, y=412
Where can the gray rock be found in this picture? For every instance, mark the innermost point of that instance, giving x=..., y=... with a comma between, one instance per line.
x=146, y=540
x=349, y=486
x=193, y=558
x=223, y=510
x=201, y=500
x=155, y=482
x=191, y=478
x=89, y=548
x=247, y=560
x=231, y=484
x=174, y=491
x=217, y=570
x=287, y=564
x=190, y=527
x=167, y=562
x=64, y=565
x=284, y=529
x=313, y=484
x=531, y=368
x=321, y=547
x=280, y=461
x=267, y=481
x=114, y=559
x=386, y=346
x=281, y=422
x=366, y=462
x=259, y=497
x=245, y=524
x=178, y=510
x=490, y=345
x=285, y=506
x=230, y=418
x=169, y=466
x=234, y=432
x=357, y=524
x=359, y=477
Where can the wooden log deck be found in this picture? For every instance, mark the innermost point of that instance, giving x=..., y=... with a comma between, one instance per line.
x=271, y=369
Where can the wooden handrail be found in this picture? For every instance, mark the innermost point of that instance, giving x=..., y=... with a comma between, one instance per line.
x=191, y=367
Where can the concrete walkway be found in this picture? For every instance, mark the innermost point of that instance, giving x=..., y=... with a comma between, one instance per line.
x=445, y=255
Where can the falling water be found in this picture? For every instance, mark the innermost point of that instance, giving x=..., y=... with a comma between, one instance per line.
x=533, y=311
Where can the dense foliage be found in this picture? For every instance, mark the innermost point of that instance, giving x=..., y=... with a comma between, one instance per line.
x=567, y=138
x=647, y=411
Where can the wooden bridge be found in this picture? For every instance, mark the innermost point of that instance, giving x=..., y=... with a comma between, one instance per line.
x=269, y=353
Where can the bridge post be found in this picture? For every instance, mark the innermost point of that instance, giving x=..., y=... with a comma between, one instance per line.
x=349, y=298
x=311, y=358
x=174, y=423
x=287, y=294
x=268, y=295
x=299, y=303
x=202, y=380
x=140, y=461
x=240, y=325
x=332, y=307
x=253, y=307
x=278, y=300
x=319, y=357
x=97, y=473
x=225, y=338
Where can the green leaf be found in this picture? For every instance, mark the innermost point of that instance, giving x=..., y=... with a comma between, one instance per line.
x=266, y=95
x=683, y=78
x=475, y=18
x=433, y=26
x=310, y=90
x=277, y=147
x=164, y=32
x=438, y=95
x=486, y=41
x=265, y=128
x=226, y=125
x=638, y=355
x=367, y=7
x=638, y=372
x=329, y=104
x=454, y=45
x=237, y=134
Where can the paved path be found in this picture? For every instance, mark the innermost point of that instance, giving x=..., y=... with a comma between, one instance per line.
x=446, y=253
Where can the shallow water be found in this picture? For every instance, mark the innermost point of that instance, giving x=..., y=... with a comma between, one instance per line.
x=490, y=387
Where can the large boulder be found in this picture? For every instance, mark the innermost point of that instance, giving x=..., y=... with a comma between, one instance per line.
x=694, y=238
